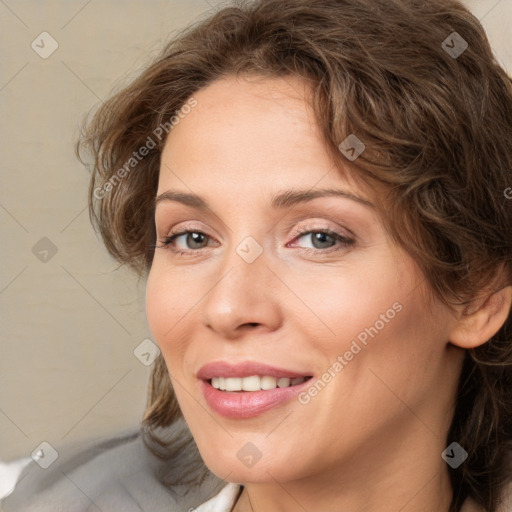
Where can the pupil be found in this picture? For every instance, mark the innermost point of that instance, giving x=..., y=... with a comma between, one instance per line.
x=195, y=237
x=319, y=236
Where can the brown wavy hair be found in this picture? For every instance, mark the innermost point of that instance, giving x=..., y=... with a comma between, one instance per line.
x=437, y=130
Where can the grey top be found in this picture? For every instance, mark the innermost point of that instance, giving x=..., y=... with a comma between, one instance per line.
x=115, y=474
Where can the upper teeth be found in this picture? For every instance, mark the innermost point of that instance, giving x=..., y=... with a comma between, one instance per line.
x=253, y=383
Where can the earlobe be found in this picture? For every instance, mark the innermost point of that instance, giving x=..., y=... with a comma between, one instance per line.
x=482, y=319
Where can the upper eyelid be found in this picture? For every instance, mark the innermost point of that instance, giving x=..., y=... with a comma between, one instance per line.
x=300, y=230
x=313, y=229
x=287, y=226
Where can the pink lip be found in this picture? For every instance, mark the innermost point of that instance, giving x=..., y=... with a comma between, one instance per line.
x=245, y=369
x=246, y=404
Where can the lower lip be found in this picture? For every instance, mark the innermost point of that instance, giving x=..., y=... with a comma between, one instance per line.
x=246, y=404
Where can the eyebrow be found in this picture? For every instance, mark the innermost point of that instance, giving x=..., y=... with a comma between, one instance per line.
x=284, y=199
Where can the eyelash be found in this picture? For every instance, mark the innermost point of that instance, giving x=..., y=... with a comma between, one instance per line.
x=344, y=241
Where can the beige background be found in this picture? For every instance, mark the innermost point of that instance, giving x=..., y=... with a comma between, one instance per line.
x=69, y=325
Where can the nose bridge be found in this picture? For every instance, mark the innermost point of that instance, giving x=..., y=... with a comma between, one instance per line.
x=242, y=293
x=244, y=256
x=245, y=270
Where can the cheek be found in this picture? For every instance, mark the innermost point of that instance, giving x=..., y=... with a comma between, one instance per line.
x=165, y=306
x=156, y=304
x=347, y=302
x=391, y=345
x=377, y=320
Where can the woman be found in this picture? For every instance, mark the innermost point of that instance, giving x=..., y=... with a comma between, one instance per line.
x=318, y=194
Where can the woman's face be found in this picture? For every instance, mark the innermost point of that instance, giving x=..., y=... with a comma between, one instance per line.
x=271, y=274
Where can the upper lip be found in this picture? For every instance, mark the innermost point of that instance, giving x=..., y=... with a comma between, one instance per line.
x=245, y=369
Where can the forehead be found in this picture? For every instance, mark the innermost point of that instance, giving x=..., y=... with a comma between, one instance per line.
x=254, y=131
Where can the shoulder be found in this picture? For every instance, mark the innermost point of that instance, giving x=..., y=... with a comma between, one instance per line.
x=109, y=474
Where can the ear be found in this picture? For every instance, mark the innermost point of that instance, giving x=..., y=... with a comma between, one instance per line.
x=482, y=319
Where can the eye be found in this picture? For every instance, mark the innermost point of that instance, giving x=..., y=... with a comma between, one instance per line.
x=324, y=240
x=193, y=240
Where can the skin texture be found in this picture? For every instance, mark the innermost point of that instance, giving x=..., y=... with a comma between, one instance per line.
x=372, y=438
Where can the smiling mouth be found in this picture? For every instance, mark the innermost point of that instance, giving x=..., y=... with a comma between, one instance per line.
x=254, y=383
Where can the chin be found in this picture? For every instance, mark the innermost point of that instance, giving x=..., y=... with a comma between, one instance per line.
x=235, y=465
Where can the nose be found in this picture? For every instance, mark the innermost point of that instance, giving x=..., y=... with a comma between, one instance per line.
x=245, y=297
